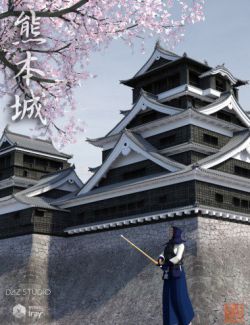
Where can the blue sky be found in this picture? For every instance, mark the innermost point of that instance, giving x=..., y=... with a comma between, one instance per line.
x=222, y=38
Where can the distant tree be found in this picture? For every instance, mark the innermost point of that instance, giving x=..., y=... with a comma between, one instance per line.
x=73, y=30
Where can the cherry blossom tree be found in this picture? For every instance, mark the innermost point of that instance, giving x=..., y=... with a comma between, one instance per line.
x=73, y=30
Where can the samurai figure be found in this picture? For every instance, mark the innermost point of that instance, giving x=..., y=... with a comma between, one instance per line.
x=177, y=307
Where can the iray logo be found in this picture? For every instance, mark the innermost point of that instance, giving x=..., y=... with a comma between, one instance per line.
x=19, y=311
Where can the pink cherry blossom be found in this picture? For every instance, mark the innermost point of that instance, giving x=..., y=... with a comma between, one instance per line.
x=73, y=30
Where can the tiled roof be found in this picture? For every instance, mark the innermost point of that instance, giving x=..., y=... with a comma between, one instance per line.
x=221, y=69
x=165, y=215
x=36, y=202
x=224, y=96
x=36, y=144
x=234, y=143
x=50, y=179
x=146, y=146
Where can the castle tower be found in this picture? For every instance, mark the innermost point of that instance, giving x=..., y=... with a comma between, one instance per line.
x=173, y=152
x=33, y=174
x=23, y=161
x=179, y=157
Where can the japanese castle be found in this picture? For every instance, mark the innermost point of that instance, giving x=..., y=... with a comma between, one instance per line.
x=183, y=149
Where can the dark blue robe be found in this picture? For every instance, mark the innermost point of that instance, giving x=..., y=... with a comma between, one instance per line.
x=177, y=307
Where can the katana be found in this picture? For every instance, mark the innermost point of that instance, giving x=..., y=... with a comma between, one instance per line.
x=140, y=250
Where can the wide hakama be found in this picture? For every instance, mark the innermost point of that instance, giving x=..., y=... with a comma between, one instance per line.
x=177, y=307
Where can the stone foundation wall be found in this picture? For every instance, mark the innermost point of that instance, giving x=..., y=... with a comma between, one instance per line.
x=99, y=279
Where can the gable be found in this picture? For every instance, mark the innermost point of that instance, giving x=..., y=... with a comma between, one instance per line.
x=144, y=103
x=238, y=148
x=66, y=180
x=244, y=155
x=228, y=116
x=158, y=57
x=225, y=73
x=158, y=62
x=133, y=171
x=231, y=104
x=127, y=144
x=5, y=143
x=147, y=116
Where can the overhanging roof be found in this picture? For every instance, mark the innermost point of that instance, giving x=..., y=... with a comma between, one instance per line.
x=145, y=101
x=158, y=53
x=53, y=180
x=229, y=101
x=129, y=141
x=18, y=202
x=190, y=173
x=237, y=144
x=224, y=72
x=31, y=144
x=188, y=116
x=160, y=216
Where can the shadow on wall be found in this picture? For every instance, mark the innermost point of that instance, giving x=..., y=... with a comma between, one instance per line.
x=99, y=279
x=22, y=277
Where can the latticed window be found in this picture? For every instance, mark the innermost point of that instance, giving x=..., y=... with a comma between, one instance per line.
x=236, y=201
x=240, y=171
x=244, y=204
x=218, y=198
x=210, y=139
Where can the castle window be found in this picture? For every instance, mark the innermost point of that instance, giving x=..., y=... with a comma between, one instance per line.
x=236, y=201
x=28, y=160
x=210, y=139
x=240, y=171
x=194, y=79
x=168, y=140
x=218, y=198
x=244, y=204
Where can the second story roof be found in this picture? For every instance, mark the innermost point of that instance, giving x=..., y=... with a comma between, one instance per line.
x=25, y=142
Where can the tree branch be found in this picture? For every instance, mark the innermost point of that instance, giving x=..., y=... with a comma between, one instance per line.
x=15, y=69
x=58, y=13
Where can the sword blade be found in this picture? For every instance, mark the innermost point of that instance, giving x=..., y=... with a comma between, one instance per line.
x=140, y=250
